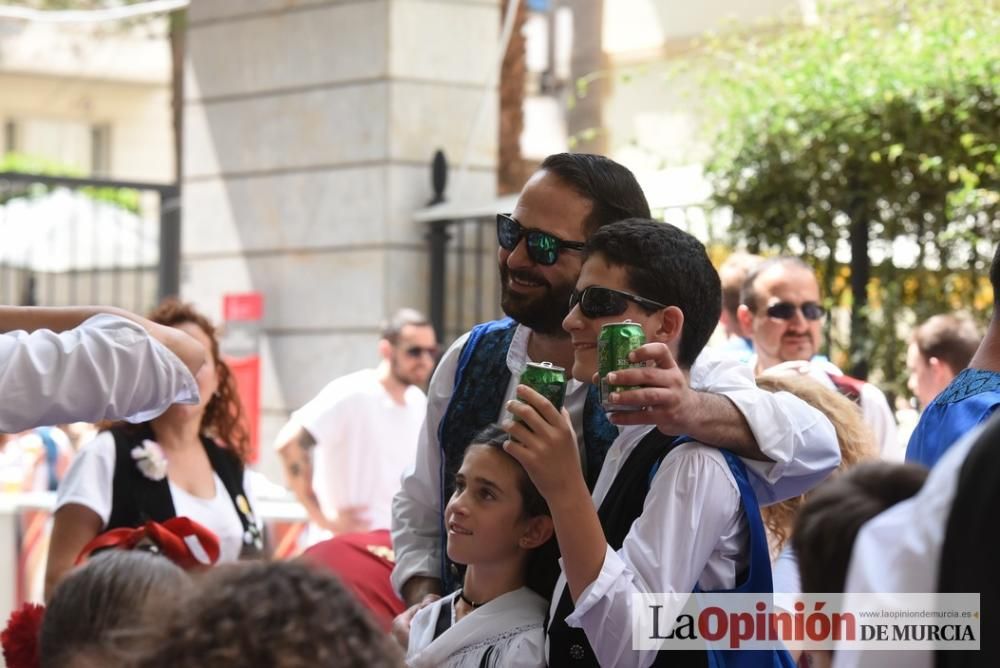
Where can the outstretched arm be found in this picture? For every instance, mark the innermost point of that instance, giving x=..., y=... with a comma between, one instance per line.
x=30, y=319
x=788, y=445
x=676, y=408
x=91, y=364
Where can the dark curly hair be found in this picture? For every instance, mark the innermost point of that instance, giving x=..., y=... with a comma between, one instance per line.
x=283, y=614
x=667, y=265
x=223, y=418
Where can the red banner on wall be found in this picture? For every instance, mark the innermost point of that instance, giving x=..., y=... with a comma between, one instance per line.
x=241, y=349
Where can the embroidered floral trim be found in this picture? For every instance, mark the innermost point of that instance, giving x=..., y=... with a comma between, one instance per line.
x=150, y=460
x=252, y=536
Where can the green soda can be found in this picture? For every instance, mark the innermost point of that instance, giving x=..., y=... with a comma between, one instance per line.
x=546, y=379
x=614, y=344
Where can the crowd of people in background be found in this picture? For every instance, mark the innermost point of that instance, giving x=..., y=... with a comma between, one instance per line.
x=478, y=524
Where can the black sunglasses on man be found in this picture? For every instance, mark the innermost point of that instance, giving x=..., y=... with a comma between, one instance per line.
x=543, y=248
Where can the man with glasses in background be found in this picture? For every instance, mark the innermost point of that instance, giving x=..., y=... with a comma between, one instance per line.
x=539, y=257
x=344, y=451
x=781, y=310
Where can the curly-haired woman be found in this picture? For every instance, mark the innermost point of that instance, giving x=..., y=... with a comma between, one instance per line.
x=189, y=462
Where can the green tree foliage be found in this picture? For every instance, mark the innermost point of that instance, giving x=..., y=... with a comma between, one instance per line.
x=872, y=132
x=126, y=198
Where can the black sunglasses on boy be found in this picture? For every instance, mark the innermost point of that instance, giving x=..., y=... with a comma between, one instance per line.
x=599, y=302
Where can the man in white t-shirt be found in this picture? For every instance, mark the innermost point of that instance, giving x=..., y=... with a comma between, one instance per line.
x=345, y=451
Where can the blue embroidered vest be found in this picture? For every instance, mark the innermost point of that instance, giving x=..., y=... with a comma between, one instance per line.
x=481, y=380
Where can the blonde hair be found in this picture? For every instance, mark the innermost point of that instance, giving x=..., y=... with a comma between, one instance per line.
x=856, y=441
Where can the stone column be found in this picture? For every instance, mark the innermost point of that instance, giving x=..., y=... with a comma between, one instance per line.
x=309, y=127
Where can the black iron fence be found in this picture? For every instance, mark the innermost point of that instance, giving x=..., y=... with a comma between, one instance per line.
x=67, y=241
x=464, y=281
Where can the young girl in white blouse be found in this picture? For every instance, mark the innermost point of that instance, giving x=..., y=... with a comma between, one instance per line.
x=496, y=522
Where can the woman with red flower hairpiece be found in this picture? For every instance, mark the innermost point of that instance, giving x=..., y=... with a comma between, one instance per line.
x=97, y=610
x=190, y=461
x=187, y=544
x=20, y=638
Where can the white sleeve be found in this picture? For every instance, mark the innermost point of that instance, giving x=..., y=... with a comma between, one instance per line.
x=527, y=651
x=799, y=439
x=320, y=417
x=416, y=507
x=879, y=416
x=692, y=503
x=107, y=368
x=90, y=479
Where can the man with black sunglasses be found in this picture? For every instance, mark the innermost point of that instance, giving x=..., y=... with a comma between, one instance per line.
x=344, y=451
x=782, y=310
x=540, y=254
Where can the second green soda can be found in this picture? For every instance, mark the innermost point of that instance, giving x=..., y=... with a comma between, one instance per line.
x=614, y=344
x=546, y=379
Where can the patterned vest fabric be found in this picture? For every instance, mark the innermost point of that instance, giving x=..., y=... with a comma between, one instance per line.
x=968, y=401
x=621, y=507
x=481, y=380
x=136, y=499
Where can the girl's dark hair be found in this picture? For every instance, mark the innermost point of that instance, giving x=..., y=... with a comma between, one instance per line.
x=534, y=502
x=283, y=614
x=542, y=567
x=103, y=598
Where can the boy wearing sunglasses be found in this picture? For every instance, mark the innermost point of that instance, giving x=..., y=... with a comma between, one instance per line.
x=540, y=255
x=781, y=309
x=668, y=514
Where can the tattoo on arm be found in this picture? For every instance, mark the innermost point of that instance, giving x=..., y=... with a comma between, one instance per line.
x=305, y=440
x=294, y=469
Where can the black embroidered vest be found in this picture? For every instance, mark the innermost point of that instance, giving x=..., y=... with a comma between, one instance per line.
x=137, y=499
x=621, y=507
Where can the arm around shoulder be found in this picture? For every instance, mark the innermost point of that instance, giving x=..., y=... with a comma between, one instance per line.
x=417, y=506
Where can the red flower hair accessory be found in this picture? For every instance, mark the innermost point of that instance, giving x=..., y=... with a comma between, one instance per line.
x=20, y=638
x=180, y=539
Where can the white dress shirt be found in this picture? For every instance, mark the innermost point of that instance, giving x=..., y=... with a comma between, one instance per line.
x=692, y=530
x=899, y=550
x=799, y=439
x=107, y=368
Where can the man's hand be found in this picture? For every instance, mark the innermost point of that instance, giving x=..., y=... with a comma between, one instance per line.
x=401, y=624
x=545, y=444
x=669, y=403
x=665, y=395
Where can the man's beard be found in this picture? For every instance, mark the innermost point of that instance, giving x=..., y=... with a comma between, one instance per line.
x=404, y=378
x=543, y=313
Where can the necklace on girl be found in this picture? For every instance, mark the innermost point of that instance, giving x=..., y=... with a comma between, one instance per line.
x=471, y=604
